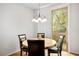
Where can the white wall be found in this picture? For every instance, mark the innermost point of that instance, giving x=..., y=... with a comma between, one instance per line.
x=73, y=28
x=14, y=19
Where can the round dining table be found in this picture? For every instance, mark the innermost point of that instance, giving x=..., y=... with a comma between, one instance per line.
x=48, y=42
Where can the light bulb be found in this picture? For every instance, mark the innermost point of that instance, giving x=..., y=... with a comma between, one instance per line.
x=39, y=19
x=44, y=20
x=34, y=20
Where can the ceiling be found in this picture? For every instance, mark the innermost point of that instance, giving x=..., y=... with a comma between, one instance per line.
x=36, y=5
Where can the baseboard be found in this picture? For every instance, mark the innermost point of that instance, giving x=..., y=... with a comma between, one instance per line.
x=74, y=53
x=12, y=53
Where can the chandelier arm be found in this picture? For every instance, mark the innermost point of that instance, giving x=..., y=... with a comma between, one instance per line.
x=39, y=19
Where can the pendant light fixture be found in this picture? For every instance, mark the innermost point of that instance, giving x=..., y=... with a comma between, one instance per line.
x=39, y=18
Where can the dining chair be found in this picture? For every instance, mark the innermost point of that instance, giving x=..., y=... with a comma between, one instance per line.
x=22, y=37
x=58, y=47
x=36, y=48
x=40, y=35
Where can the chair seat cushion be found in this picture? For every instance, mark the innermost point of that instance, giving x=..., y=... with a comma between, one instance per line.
x=53, y=49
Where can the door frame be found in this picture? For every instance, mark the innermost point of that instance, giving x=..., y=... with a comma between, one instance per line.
x=58, y=7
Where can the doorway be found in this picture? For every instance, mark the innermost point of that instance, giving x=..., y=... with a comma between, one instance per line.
x=59, y=24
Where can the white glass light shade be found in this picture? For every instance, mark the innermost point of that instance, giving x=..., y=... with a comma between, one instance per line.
x=34, y=20
x=39, y=19
x=44, y=20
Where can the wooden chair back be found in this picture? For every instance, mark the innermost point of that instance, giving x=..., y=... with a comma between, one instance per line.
x=35, y=47
x=40, y=35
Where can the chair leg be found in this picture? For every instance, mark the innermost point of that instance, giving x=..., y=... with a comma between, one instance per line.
x=26, y=52
x=21, y=53
x=48, y=53
x=60, y=53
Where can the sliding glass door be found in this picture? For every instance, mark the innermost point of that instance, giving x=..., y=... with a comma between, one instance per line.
x=59, y=23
